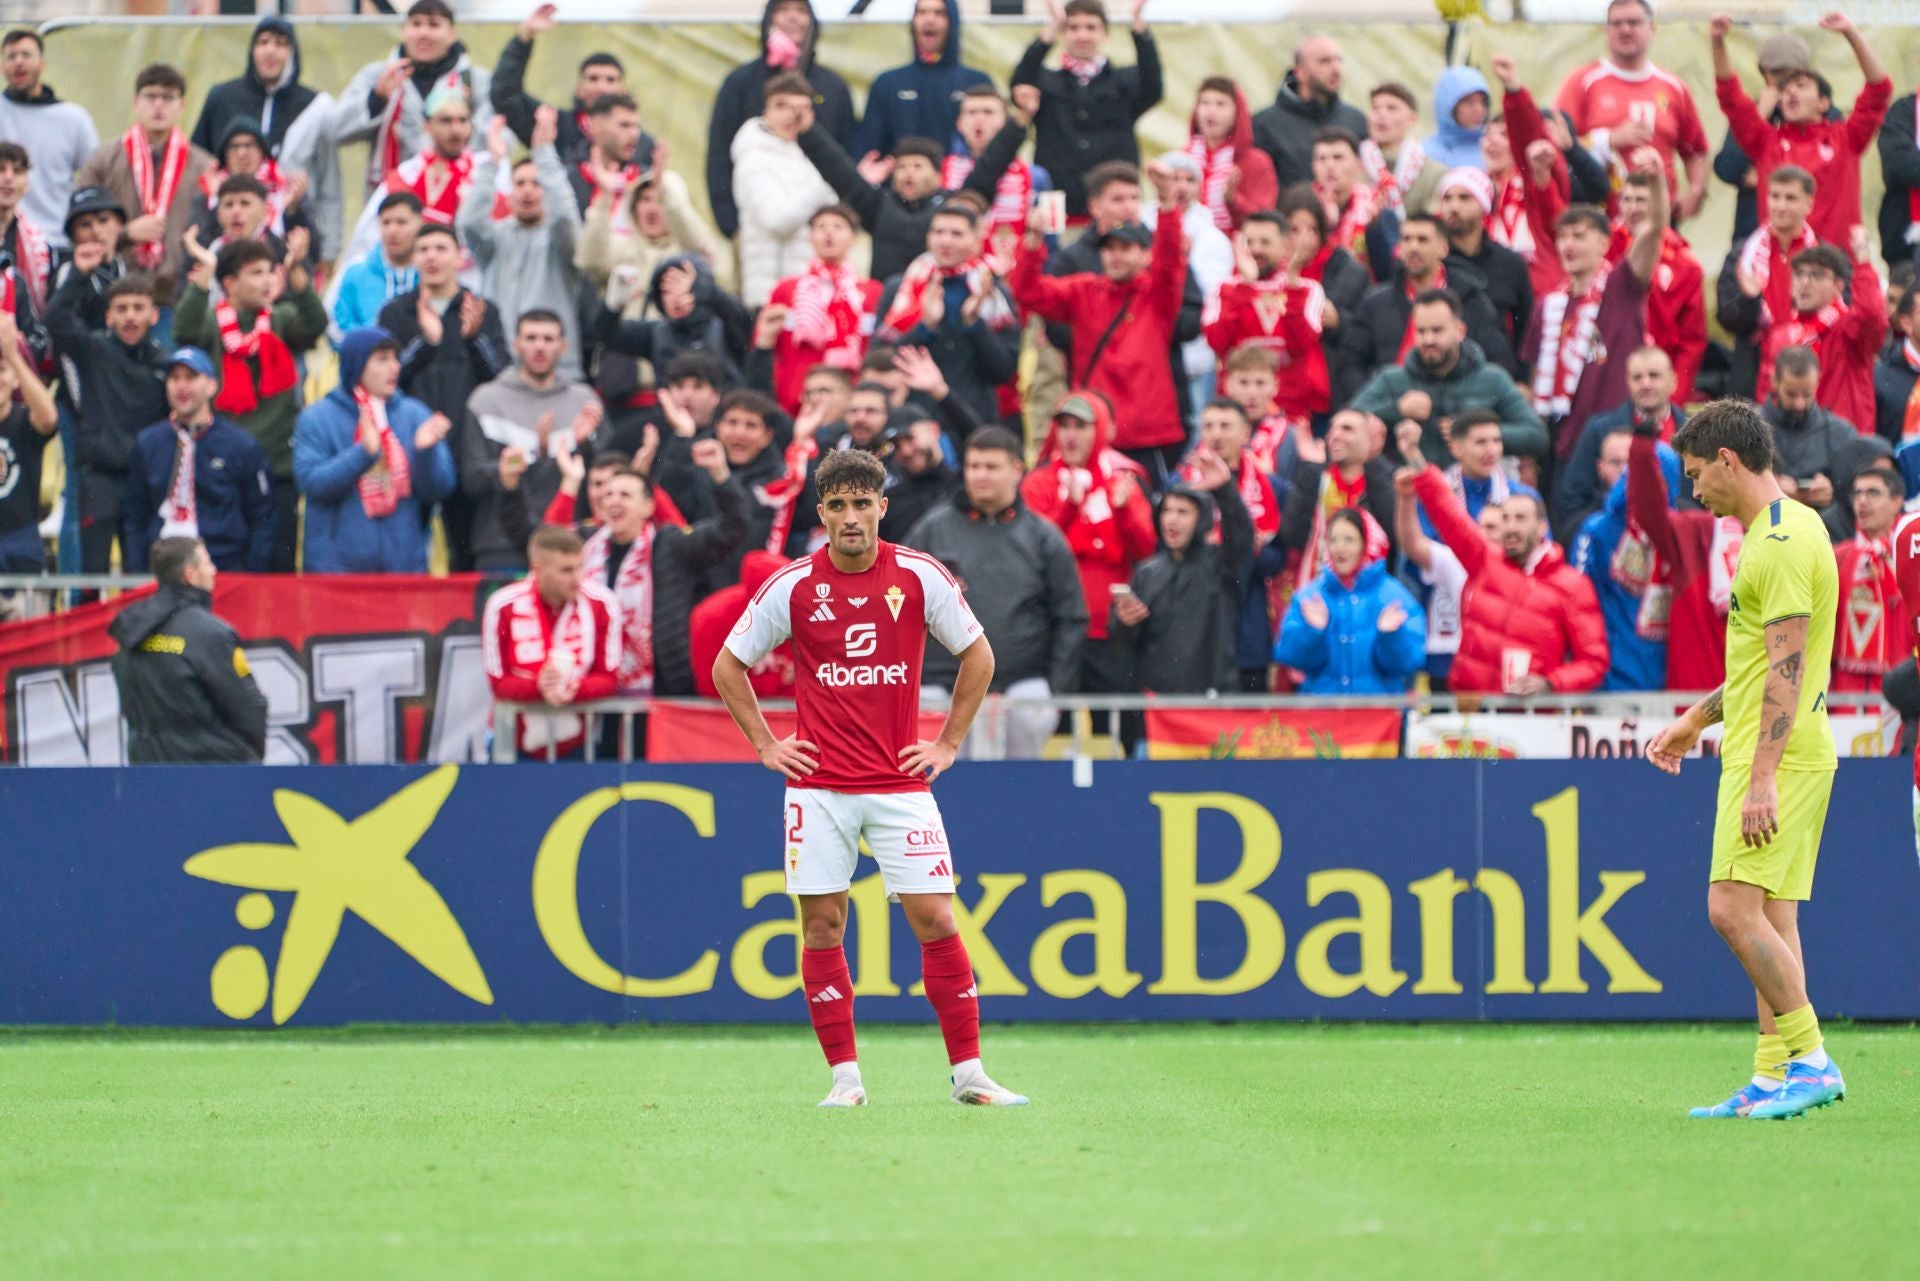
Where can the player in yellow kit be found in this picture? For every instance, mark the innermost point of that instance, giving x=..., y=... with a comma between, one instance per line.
x=1777, y=759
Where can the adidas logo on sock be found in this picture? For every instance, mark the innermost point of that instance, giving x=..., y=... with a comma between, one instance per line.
x=940, y=869
x=972, y=993
x=827, y=993
x=821, y=615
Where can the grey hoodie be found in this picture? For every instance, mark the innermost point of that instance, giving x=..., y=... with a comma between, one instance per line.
x=526, y=268
x=510, y=403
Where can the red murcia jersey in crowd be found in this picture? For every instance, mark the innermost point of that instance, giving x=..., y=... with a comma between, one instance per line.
x=857, y=644
x=1906, y=575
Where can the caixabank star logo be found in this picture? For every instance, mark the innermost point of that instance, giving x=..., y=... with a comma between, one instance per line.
x=334, y=866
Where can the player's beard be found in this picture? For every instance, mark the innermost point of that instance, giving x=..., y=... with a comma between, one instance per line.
x=854, y=542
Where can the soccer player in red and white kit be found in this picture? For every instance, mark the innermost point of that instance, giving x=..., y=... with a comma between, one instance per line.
x=1906, y=575
x=858, y=612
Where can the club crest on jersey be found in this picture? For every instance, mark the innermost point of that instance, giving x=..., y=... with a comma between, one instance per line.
x=895, y=598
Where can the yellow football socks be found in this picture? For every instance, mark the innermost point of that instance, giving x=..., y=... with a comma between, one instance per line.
x=1800, y=1029
x=1770, y=1057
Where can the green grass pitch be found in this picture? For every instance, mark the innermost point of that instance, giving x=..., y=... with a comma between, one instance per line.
x=1151, y=1152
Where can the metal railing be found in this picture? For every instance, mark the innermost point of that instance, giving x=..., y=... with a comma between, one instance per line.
x=1081, y=740
x=35, y=595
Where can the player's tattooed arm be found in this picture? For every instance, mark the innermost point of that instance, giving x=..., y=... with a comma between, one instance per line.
x=1712, y=709
x=1780, y=700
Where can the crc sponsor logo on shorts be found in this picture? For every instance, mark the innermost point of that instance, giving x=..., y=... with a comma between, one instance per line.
x=927, y=840
x=845, y=675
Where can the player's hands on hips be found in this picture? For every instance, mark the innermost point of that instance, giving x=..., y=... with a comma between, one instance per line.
x=931, y=759
x=1760, y=812
x=792, y=756
x=1671, y=745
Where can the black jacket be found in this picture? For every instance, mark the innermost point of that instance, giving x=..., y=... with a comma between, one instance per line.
x=899, y=227
x=682, y=557
x=512, y=103
x=442, y=376
x=1187, y=644
x=974, y=359
x=1285, y=130
x=1296, y=519
x=185, y=688
x=1024, y=587
x=1739, y=315
x=742, y=96
x=116, y=389
x=1893, y=380
x=910, y=497
x=1370, y=336
x=1080, y=126
x=1509, y=286
x=248, y=97
x=718, y=325
x=1823, y=444
x=1900, y=167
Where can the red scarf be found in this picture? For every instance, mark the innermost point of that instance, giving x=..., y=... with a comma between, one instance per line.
x=1870, y=637
x=1406, y=335
x=1391, y=181
x=33, y=260
x=417, y=175
x=1337, y=493
x=1509, y=224
x=633, y=587
x=180, y=509
x=1012, y=197
x=1264, y=448
x=1216, y=172
x=155, y=191
x=1762, y=258
x=811, y=321
x=1083, y=69
x=784, y=492
x=924, y=273
x=390, y=478
x=240, y=392
x=1568, y=332
x=1805, y=329
x=629, y=174
x=1350, y=224
x=1316, y=268
x=1255, y=494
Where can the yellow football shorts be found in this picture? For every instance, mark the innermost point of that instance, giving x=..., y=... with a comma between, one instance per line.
x=1784, y=868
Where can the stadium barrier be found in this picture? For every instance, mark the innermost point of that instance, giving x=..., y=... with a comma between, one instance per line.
x=1479, y=890
x=387, y=669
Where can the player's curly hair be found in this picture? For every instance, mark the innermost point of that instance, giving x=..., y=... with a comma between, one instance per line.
x=852, y=471
x=1727, y=424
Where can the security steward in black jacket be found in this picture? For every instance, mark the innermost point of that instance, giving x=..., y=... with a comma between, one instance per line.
x=185, y=688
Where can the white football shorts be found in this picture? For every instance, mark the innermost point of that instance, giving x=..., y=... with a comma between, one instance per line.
x=902, y=830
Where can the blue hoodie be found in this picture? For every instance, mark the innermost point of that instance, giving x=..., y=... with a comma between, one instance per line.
x=1452, y=144
x=919, y=100
x=1352, y=655
x=1637, y=663
x=328, y=465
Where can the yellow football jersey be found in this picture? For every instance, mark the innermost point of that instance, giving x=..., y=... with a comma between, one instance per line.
x=1787, y=570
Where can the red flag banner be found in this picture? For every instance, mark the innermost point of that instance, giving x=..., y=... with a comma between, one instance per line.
x=1272, y=733
x=364, y=669
x=685, y=734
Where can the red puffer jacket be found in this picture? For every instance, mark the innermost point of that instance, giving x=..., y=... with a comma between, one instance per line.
x=1547, y=609
x=1110, y=527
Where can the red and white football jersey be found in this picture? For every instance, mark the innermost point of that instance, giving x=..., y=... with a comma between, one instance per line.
x=1600, y=95
x=1906, y=576
x=857, y=643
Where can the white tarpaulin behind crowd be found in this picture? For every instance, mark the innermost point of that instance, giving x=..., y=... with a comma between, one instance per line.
x=1578, y=736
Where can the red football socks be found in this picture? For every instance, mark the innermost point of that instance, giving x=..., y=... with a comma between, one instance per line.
x=948, y=975
x=823, y=971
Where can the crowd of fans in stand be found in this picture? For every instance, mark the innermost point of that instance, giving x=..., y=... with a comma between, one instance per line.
x=1354, y=388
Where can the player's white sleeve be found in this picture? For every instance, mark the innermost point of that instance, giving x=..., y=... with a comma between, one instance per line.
x=768, y=617
x=949, y=620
